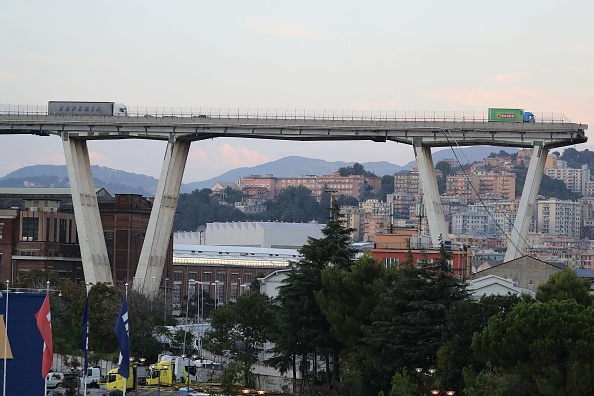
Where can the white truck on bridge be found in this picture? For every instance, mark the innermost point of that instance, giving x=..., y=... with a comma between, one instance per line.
x=87, y=108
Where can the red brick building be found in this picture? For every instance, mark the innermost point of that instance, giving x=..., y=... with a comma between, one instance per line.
x=392, y=249
x=38, y=230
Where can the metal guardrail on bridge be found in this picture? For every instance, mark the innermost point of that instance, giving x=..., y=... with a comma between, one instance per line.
x=298, y=114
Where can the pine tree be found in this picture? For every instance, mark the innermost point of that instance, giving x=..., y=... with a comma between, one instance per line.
x=303, y=330
x=408, y=321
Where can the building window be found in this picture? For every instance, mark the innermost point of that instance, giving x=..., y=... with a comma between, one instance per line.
x=62, y=231
x=176, y=293
x=390, y=262
x=177, y=276
x=1, y=227
x=30, y=229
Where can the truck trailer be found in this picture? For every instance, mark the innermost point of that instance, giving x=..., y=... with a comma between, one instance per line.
x=510, y=115
x=87, y=108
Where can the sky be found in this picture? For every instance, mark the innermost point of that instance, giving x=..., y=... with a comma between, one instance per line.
x=426, y=55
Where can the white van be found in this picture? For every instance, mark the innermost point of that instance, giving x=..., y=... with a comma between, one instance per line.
x=53, y=379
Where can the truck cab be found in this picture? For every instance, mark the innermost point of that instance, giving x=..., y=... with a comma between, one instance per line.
x=116, y=381
x=529, y=117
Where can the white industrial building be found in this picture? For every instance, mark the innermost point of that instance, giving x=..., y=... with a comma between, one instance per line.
x=275, y=235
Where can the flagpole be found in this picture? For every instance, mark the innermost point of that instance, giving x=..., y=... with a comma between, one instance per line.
x=126, y=380
x=86, y=351
x=45, y=379
x=5, y=338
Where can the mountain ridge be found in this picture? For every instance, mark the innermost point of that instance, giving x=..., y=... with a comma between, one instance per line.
x=121, y=182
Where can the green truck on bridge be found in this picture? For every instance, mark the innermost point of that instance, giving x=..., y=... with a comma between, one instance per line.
x=510, y=115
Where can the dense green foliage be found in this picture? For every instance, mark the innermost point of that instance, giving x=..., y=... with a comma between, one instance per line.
x=302, y=328
x=242, y=328
x=566, y=285
x=543, y=348
x=355, y=169
x=575, y=159
x=199, y=208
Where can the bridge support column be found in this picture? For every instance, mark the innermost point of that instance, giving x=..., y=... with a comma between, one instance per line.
x=431, y=198
x=517, y=244
x=158, y=234
x=86, y=210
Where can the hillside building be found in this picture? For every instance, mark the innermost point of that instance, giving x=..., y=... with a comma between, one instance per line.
x=269, y=187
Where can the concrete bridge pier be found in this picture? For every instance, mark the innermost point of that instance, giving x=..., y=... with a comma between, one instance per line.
x=431, y=198
x=154, y=249
x=517, y=244
x=86, y=211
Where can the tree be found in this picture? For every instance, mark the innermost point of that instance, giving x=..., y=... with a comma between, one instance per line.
x=347, y=297
x=409, y=319
x=242, y=328
x=463, y=319
x=387, y=187
x=445, y=167
x=548, y=346
x=302, y=329
x=104, y=306
x=566, y=285
x=294, y=204
x=355, y=169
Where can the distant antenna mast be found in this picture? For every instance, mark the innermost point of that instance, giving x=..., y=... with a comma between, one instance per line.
x=421, y=215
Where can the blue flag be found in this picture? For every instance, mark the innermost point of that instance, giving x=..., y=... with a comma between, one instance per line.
x=85, y=336
x=121, y=333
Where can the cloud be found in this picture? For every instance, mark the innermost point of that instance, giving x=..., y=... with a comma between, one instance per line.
x=507, y=77
x=582, y=48
x=390, y=104
x=486, y=98
x=102, y=159
x=214, y=159
x=238, y=157
x=40, y=59
x=288, y=30
x=580, y=69
x=7, y=74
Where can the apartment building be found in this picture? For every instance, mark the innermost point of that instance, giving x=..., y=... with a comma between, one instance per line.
x=407, y=182
x=463, y=184
x=576, y=180
x=559, y=218
x=498, y=182
x=268, y=186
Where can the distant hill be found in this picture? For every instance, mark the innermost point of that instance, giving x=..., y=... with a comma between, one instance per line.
x=122, y=182
x=465, y=155
x=113, y=180
x=291, y=166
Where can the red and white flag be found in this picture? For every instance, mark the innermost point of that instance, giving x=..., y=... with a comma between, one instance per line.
x=44, y=323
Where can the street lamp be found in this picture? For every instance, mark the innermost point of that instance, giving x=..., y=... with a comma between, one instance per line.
x=153, y=369
x=188, y=369
x=428, y=373
x=200, y=294
x=216, y=285
x=134, y=361
x=190, y=282
x=165, y=304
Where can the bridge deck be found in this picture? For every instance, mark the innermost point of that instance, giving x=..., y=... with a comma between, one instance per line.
x=433, y=133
